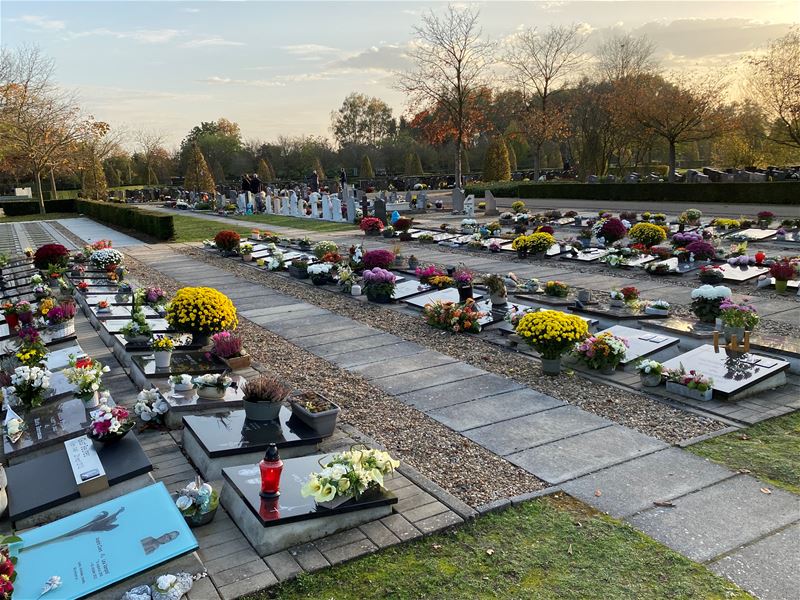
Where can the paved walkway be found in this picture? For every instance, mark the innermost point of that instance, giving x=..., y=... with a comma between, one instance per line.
x=709, y=513
x=91, y=231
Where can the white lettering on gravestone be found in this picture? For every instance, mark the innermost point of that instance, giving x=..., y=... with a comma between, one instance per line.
x=87, y=469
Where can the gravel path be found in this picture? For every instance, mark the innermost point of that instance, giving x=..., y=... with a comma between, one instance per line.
x=624, y=407
x=439, y=453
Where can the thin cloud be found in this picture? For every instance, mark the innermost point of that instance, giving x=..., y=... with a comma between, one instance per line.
x=310, y=51
x=210, y=41
x=141, y=36
x=214, y=80
x=40, y=22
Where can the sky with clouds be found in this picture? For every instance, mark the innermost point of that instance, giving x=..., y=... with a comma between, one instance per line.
x=282, y=67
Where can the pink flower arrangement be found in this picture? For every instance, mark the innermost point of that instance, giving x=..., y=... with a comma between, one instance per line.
x=463, y=277
x=371, y=224
x=378, y=258
x=378, y=276
x=701, y=250
x=226, y=344
x=425, y=273
x=110, y=420
x=154, y=296
x=61, y=313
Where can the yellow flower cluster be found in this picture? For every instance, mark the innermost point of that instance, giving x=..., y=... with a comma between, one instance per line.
x=727, y=223
x=647, y=234
x=31, y=357
x=552, y=332
x=535, y=242
x=45, y=306
x=201, y=310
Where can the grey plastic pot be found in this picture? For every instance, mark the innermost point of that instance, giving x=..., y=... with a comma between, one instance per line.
x=262, y=411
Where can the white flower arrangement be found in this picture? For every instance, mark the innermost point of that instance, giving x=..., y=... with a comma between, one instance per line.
x=647, y=367
x=516, y=313
x=275, y=262
x=469, y=223
x=36, y=279
x=711, y=292
x=85, y=374
x=105, y=257
x=209, y=243
x=27, y=383
x=150, y=405
x=616, y=295
x=197, y=498
x=349, y=474
x=320, y=268
x=15, y=428
x=660, y=305
x=614, y=260
x=358, y=253
x=598, y=226
x=212, y=380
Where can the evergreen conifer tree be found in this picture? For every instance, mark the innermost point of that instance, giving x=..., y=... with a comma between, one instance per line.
x=198, y=175
x=496, y=166
x=366, y=168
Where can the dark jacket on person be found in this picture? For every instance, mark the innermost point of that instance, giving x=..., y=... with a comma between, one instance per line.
x=313, y=182
x=245, y=183
x=255, y=185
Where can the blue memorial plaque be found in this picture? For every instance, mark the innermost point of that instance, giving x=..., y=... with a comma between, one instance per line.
x=101, y=546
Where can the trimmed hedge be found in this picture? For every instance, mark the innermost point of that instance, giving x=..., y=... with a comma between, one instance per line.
x=775, y=192
x=15, y=208
x=161, y=227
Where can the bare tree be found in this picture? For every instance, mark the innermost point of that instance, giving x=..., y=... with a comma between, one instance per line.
x=775, y=80
x=624, y=55
x=451, y=66
x=151, y=143
x=540, y=65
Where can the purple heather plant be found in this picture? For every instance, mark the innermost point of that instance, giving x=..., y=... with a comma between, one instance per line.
x=701, y=250
x=226, y=344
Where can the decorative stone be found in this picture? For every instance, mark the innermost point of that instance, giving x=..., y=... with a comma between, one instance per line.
x=140, y=592
x=181, y=586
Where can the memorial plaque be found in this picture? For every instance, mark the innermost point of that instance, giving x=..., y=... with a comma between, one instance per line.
x=94, y=299
x=588, y=255
x=88, y=473
x=290, y=506
x=640, y=343
x=116, y=311
x=638, y=261
x=59, y=359
x=410, y=287
x=48, y=425
x=742, y=273
x=542, y=298
x=446, y=295
x=157, y=325
x=100, y=546
x=183, y=342
x=230, y=433
x=732, y=372
x=754, y=234
x=437, y=237
x=189, y=363
x=494, y=240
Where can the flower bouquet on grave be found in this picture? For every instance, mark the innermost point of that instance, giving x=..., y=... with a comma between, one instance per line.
x=228, y=346
x=371, y=226
x=198, y=503
x=658, y=307
x=325, y=247
x=706, y=301
x=14, y=426
x=154, y=297
x=602, y=352
x=201, y=311
x=630, y=295
x=711, y=274
x=86, y=375
x=782, y=270
x=61, y=319
x=107, y=259
x=227, y=242
x=552, y=334
x=454, y=317
x=55, y=273
x=737, y=318
x=181, y=383
x=321, y=273
x=137, y=331
x=212, y=386
x=110, y=423
x=150, y=405
x=379, y=285
x=246, y=251
x=50, y=254
x=32, y=350
x=162, y=347
x=28, y=386
x=690, y=385
x=557, y=289
x=649, y=372
x=463, y=278
x=347, y=279
x=348, y=476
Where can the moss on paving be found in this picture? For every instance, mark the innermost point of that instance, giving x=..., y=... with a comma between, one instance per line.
x=769, y=450
x=550, y=548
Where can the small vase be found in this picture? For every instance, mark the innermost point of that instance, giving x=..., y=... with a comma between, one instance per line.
x=163, y=358
x=355, y=290
x=262, y=411
x=551, y=366
x=12, y=321
x=413, y=264
x=464, y=293
x=90, y=399
x=211, y=393
x=650, y=379
x=247, y=257
x=781, y=285
x=608, y=369
x=498, y=299
x=200, y=339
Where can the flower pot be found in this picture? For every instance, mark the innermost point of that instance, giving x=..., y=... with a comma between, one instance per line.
x=522, y=254
x=551, y=366
x=200, y=339
x=650, y=379
x=656, y=311
x=247, y=257
x=372, y=233
x=236, y=363
x=197, y=519
x=464, y=293
x=413, y=264
x=682, y=390
x=137, y=340
x=211, y=393
x=585, y=296
x=607, y=369
x=163, y=358
x=321, y=279
x=12, y=321
x=780, y=286
x=387, y=234
x=498, y=299
x=323, y=422
x=297, y=272
x=262, y=411
x=616, y=303
x=729, y=332
x=90, y=400
x=109, y=438
x=64, y=329
x=379, y=298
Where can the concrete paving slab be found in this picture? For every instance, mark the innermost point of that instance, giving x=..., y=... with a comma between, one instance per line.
x=389, y=367
x=567, y=459
x=634, y=485
x=719, y=518
x=769, y=569
x=426, y=378
x=376, y=358
x=459, y=392
x=520, y=433
x=355, y=347
x=475, y=413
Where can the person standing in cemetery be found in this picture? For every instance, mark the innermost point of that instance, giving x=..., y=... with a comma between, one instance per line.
x=255, y=184
x=342, y=178
x=313, y=181
x=245, y=187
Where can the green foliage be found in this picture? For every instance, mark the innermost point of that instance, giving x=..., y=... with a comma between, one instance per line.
x=512, y=157
x=265, y=170
x=93, y=181
x=316, y=165
x=198, y=176
x=154, y=224
x=552, y=548
x=496, y=166
x=413, y=164
x=769, y=450
x=14, y=208
x=784, y=193
x=366, y=168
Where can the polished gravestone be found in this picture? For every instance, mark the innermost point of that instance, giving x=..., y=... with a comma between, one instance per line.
x=735, y=375
x=506, y=327
x=59, y=359
x=116, y=311
x=740, y=274
x=446, y=295
x=229, y=438
x=272, y=525
x=184, y=403
x=409, y=287
x=621, y=313
x=261, y=254
x=189, y=363
x=588, y=255
x=94, y=299
x=754, y=234
x=30, y=505
x=183, y=342
x=437, y=237
x=542, y=298
x=114, y=326
x=641, y=344
x=47, y=426
x=638, y=261
x=105, y=544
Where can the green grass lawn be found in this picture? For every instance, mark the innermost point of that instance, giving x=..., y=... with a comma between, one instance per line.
x=550, y=548
x=769, y=449
x=193, y=229
x=45, y=217
x=295, y=222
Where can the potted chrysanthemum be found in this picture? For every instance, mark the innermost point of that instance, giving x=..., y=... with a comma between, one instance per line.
x=162, y=347
x=201, y=311
x=552, y=334
x=649, y=372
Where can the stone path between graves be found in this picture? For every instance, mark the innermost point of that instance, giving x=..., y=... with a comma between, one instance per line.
x=730, y=521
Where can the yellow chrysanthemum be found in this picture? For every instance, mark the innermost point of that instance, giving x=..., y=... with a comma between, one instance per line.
x=202, y=310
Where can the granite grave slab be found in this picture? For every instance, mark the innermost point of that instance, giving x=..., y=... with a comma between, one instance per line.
x=641, y=344
x=446, y=295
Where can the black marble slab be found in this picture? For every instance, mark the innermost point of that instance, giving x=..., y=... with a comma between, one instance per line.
x=189, y=363
x=158, y=325
x=183, y=343
x=46, y=481
x=623, y=313
x=230, y=433
x=49, y=425
x=116, y=311
x=290, y=506
x=408, y=288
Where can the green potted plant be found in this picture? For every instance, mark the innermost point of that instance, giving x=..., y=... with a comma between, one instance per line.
x=737, y=318
x=263, y=398
x=298, y=268
x=316, y=411
x=649, y=372
x=496, y=284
